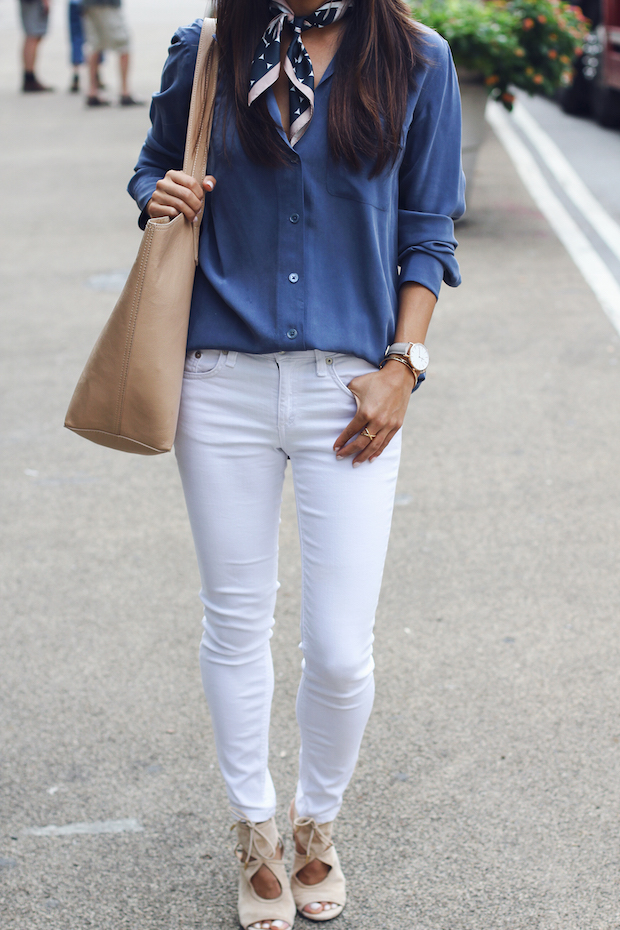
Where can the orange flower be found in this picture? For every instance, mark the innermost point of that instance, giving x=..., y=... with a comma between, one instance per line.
x=538, y=79
x=508, y=98
x=565, y=59
x=553, y=37
x=542, y=18
x=519, y=52
x=552, y=53
x=528, y=23
x=492, y=79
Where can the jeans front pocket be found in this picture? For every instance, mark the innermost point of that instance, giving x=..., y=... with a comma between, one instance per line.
x=203, y=363
x=344, y=368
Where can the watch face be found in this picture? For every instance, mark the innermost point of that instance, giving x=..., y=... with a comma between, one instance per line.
x=418, y=356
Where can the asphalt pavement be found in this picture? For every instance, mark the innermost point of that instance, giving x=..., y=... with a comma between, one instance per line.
x=487, y=796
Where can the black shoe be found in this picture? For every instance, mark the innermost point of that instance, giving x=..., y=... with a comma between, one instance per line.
x=128, y=101
x=97, y=102
x=74, y=87
x=33, y=86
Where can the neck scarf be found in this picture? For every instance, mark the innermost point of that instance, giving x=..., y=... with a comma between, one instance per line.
x=297, y=64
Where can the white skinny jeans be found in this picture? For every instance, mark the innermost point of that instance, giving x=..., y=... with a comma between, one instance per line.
x=241, y=416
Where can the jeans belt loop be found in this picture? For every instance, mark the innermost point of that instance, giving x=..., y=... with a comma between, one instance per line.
x=321, y=367
x=232, y=359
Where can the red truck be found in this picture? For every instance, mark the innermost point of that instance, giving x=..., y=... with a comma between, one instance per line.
x=596, y=85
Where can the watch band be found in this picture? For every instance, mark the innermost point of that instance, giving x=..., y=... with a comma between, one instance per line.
x=399, y=348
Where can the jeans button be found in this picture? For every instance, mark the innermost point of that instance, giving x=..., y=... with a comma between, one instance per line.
x=292, y=334
x=198, y=354
x=294, y=217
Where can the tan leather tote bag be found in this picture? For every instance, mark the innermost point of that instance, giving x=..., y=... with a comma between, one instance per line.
x=129, y=393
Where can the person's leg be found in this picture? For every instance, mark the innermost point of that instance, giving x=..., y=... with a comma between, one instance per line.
x=76, y=39
x=31, y=47
x=96, y=41
x=93, y=74
x=344, y=519
x=35, y=21
x=232, y=472
x=344, y=524
x=117, y=38
x=123, y=60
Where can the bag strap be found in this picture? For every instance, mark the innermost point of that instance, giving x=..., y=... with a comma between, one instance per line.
x=201, y=110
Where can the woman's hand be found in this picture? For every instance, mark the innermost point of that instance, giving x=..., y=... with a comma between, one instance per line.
x=179, y=193
x=382, y=397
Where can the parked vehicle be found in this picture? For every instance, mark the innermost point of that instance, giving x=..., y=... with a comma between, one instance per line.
x=596, y=86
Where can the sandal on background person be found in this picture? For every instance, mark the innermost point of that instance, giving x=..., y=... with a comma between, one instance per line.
x=316, y=842
x=260, y=844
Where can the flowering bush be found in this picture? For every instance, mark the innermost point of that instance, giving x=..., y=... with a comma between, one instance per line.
x=530, y=44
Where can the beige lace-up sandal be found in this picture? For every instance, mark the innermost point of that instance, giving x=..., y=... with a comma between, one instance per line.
x=258, y=844
x=316, y=840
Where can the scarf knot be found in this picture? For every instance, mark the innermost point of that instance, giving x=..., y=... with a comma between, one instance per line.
x=297, y=63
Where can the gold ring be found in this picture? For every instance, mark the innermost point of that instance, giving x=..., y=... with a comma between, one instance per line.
x=367, y=434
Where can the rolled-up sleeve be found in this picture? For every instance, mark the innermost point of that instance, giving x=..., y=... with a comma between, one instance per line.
x=431, y=181
x=164, y=147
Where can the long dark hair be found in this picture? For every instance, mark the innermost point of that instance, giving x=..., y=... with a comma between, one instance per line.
x=373, y=72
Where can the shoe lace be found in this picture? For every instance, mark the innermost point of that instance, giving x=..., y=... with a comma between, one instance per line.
x=255, y=830
x=315, y=831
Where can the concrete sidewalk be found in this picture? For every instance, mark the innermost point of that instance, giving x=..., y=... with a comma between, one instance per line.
x=488, y=792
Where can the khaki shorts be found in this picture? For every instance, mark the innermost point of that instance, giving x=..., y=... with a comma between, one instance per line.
x=106, y=29
x=34, y=18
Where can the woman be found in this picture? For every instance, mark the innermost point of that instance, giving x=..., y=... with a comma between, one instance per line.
x=336, y=154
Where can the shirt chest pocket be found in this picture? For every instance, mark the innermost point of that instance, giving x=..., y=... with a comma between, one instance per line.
x=343, y=181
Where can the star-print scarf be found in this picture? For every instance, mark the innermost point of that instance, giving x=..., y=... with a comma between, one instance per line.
x=297, y=64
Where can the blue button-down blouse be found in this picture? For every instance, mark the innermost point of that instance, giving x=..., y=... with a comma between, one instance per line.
x=311, y=256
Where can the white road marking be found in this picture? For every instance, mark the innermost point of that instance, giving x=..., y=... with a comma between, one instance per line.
x=586, y=258
x=568, y=179
x=100, y=826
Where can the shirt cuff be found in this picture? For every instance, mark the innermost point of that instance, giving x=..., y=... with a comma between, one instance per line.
x=422, y=268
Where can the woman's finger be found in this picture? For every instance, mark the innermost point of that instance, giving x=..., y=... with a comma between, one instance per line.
x=363, y=447
x=162, y=199
x=185, y=186
x=167, y=188
x=155, y=210
x=361, y=442
x=186, y=181
x=356, y=424
x=209, y=183
x=375, y=453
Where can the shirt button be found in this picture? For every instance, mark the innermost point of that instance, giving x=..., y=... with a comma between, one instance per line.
x=198, y=354
x=292, y=334
x=293, y=277
x=294, y=217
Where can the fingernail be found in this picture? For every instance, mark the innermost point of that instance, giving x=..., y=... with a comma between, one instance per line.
x=195, y=220
x=337, y=448
x=340, y=456
x=209, y=185
x=356, y=464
